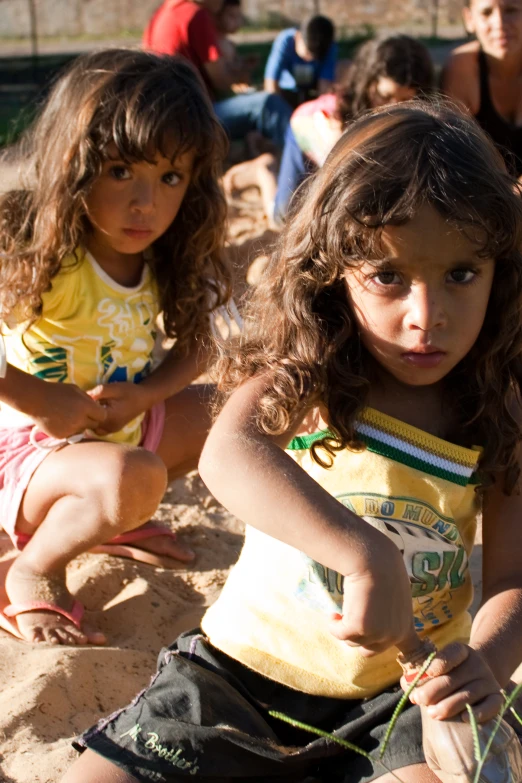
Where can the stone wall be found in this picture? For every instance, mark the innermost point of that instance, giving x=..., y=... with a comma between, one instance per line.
x=112, y=17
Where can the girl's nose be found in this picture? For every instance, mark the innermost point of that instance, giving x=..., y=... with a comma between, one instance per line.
x=425, y=309
x=143, y=197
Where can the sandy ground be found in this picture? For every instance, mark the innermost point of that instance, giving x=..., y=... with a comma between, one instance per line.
x=49, y=694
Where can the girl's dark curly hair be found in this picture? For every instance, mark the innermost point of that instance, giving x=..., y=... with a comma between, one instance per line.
x=143, y=104
x=299, y=326
x=398, y=57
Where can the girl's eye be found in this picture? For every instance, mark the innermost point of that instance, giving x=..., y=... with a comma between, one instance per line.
x=171, y=178
x=386, y=278
x=462, y=275
x=119, y=172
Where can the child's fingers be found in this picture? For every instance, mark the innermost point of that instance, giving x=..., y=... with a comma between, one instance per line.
x=97, y=415
x=368, y=645
x=447, y=659
x=99, y=392
x=485, y=704
x=435, y=691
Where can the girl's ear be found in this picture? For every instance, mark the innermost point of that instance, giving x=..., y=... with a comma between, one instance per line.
x=469, y=22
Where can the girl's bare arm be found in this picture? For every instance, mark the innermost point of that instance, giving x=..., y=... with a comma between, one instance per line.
x=462, y=674
x=497, y=629
x=175, y=373
x=59, y=409
x=252, y=476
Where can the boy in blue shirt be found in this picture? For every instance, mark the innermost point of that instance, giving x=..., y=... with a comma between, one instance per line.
x=302, y=61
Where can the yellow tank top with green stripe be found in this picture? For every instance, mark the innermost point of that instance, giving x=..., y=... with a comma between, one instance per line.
x=418, y=490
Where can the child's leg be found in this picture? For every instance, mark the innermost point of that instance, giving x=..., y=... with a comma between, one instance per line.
x=93, y=768
x=80, y=496
x=293, y=170
x=188, y=418
x=416, y=773
x=187, y=422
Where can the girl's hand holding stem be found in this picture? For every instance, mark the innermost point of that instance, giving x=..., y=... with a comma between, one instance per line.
x=458, y=675
x=377, y=612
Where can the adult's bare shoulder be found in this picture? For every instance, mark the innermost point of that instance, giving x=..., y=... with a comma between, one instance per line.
x=460, y=76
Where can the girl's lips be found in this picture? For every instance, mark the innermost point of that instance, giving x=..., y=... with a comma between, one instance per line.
x=137, y=233
x=432, y=359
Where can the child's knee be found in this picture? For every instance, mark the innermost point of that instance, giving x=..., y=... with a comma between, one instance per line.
x=133, y=484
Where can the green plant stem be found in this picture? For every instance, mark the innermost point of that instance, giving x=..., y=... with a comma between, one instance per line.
x=400, y=706
x=512, y=709
x=338, y=740
x=507, y=706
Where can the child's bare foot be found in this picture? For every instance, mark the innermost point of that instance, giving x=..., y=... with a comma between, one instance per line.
x=23, y=585
x=161, y=548
x=167, y=546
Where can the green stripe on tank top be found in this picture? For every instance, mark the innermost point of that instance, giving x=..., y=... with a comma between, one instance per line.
x=303, y=442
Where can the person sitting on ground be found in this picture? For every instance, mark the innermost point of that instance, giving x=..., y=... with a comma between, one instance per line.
x=124, y=220
x=384, y=71
x=371, y=410
x=188, y=28
x=228, y=21
x=302, y=61
x=485, y=75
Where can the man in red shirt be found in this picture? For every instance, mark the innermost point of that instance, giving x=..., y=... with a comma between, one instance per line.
x=188, y=28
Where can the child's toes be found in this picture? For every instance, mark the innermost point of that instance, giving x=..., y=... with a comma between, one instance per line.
x=67, y=635
x=178, y=550
x=94, y=636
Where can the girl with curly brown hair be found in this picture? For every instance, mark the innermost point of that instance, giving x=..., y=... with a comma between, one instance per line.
x=376, y=386
x=123, y=222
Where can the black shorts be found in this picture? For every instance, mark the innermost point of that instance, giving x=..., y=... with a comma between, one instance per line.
x=205, y=717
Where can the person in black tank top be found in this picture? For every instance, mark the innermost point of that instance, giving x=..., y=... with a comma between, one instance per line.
x=506, y=136
x=485, y=75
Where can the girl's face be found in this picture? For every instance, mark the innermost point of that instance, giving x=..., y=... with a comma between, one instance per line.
x=130, y=205
x=385, y=91
x=497, y=25
x=420, y=309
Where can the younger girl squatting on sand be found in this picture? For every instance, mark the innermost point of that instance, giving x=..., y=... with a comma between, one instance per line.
x=382, y=350
x=124, y=220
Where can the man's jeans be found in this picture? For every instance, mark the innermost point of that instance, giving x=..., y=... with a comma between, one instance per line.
x=295, y=167
x=262, y=111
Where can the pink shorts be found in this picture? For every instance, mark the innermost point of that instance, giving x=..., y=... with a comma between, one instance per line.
x=19, y=459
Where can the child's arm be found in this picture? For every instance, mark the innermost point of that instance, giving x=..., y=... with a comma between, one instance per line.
x=252, y=476
x=125, y=401
x=474, y=674
x=497, y=629
x=59, y=409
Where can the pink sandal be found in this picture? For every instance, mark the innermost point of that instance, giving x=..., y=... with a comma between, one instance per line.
x=13, y=610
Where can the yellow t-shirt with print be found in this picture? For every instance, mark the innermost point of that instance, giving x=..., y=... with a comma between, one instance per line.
x=274, y=610
x=92, y=330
